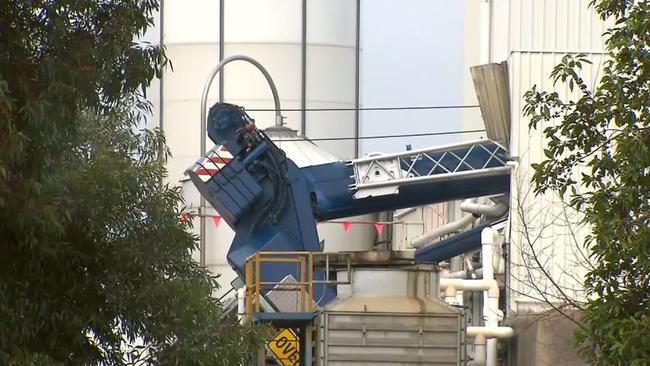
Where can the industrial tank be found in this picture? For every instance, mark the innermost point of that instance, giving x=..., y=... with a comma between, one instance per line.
x=314, y=69
x=388, y=316
x=312, y=55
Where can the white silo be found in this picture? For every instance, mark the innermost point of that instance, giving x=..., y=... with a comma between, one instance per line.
x=310, y=49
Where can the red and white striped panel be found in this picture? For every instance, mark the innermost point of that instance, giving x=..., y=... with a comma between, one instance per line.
x=212, y=163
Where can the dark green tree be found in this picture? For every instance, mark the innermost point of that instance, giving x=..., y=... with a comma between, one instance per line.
x=95, y=267
x=598, y=156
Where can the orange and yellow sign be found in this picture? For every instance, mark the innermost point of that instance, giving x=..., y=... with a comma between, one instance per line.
x=285, y=347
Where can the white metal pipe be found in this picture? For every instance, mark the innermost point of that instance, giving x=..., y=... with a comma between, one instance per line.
x=469, y=285
x=486, y=28
x=485, y=354
x=450, y=295
x=490, y=332
x=490, y=298
x=497, y=209
x=448, y=228
x=241, y=304
x=479, y=351
x=403, y=212
x=487, y=253
x=492, y=324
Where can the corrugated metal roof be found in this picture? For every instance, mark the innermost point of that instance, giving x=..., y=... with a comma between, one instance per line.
x=491, y=84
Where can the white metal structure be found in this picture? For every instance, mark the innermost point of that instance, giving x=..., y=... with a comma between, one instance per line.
x=490, y=288
x=532, y=36
x=310, y=51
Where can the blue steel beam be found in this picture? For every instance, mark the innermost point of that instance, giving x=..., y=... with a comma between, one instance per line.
x=271, y=203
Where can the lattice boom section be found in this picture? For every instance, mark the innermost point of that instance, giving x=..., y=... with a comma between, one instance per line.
x=383, y=174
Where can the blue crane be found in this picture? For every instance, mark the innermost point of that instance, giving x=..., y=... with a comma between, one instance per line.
x=272, y=204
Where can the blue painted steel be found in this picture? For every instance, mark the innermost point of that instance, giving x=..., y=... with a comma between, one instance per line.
x=261, y=194
x=332, y=199
x=271, y=203
x=456, y=245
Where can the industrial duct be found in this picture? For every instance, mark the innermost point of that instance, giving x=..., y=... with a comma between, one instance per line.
x=473, y=211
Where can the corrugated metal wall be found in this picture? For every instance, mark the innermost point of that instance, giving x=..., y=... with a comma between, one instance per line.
x=382, y=339
x=533, y=36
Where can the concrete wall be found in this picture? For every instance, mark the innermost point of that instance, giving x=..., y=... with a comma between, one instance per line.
x=543, y=340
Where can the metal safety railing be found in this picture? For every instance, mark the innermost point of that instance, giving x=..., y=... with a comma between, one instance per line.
x=302, y=286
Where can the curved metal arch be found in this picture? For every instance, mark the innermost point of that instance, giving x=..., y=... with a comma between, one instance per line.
x=204, y=123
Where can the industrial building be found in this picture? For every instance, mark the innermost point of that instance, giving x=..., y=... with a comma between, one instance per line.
x=419, y=257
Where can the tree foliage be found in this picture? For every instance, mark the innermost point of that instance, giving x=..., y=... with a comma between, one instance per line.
x=95, y=267
x=598, y=155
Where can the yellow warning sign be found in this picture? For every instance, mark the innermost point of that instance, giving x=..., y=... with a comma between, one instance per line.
x=285, y=347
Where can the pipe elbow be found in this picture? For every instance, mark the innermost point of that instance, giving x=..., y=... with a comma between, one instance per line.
x=497, y=209
x=487, y=236
x=469, y=285
x=449, y=228
x=491, y=332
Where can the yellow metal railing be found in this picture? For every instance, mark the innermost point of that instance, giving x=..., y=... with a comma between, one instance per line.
x=255, y=287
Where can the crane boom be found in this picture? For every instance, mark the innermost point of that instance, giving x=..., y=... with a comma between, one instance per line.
x=272, y=204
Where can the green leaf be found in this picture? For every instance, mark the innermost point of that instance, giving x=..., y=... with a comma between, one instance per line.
x=95, y=267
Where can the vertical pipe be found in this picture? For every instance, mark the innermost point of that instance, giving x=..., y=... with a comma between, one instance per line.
x=327, y=267
x=241, y=304
x=490, y=299
x=479, y=350
x=202, y=204
x=487, y=252
x=357, y=82
x=486, y=30
x=303, y=82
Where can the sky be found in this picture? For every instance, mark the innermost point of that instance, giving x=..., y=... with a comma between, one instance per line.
x=412, y=55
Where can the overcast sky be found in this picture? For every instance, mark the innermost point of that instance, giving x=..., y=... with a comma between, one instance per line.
x=412, y=56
